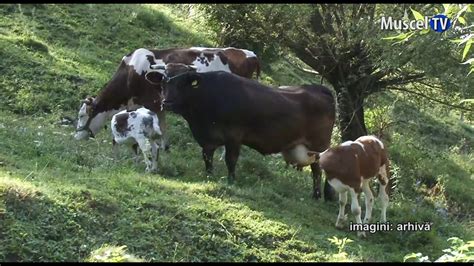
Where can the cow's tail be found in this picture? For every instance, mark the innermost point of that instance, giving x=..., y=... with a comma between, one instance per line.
x=257, y=63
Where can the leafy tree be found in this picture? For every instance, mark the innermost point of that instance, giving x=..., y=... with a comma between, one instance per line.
x=440, y=55
x=342, y=43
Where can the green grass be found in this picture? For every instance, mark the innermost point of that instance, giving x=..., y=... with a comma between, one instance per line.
x=63, y=200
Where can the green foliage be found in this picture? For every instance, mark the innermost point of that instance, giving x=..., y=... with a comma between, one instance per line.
x=459, y=33
x=238, y=25
x=459, y=251
x=341, y=255
x=108, y=253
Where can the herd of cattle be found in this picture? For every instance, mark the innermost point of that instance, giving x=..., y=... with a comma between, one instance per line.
x=213, y=90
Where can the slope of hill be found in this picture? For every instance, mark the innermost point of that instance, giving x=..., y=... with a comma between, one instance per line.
x=63, y=200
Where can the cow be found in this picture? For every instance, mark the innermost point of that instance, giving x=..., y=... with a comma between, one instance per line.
x=350, y=167
x=138, y=127
x=128, y=88
x=242, y=62
x=222, y=108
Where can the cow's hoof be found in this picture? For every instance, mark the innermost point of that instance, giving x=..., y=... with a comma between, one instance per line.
x=340, y=225
x=361, y=234
x=316, y=195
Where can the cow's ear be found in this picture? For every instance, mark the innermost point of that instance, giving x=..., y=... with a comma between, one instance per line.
x=154, y=76
x=194, y=80
x=88, y=100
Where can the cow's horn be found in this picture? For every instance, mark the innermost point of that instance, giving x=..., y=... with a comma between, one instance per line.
x=158, y=66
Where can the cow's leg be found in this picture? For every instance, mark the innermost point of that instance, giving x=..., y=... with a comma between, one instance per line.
x=383, y=196
x=355, y=208
x=232, y=151
x=164, y=145
x=207, y=156
x=369, y=200
x=341, y=217
x=316, y=172
x=145, y=146
x=154, y=156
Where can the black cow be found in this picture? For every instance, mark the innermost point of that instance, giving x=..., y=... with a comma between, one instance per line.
x=224, y=109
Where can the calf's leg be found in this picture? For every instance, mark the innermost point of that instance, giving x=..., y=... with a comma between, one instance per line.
x=369, y=200
x=383, y=196
x=145, y=146
x=341, y=217
x=136, y=158
x=115, y=150
x=154, y=156
x=355, y=208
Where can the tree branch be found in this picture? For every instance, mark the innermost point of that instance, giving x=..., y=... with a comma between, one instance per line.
x=300, y=68
x=404, y=79
x=431, y=99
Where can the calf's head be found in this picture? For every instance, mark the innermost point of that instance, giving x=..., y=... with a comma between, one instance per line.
x=177, y=87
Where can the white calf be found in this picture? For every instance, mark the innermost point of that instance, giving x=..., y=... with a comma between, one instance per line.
x=138, y=127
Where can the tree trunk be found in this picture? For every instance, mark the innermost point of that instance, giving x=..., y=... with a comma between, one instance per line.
x=351, y=113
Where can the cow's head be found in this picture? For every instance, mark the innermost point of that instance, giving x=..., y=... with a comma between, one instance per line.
x=177, y=86
x=89, y=121
x=84, y=118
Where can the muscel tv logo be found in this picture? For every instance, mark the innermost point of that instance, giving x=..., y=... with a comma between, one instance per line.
x=438, y=23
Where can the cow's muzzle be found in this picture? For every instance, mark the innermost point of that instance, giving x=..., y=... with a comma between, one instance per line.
x=83, y=133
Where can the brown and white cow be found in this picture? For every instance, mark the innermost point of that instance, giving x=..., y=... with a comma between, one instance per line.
x=350, y=167
x=129, y=89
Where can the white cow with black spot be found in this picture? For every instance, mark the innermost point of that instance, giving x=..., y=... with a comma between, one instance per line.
x=138, y=127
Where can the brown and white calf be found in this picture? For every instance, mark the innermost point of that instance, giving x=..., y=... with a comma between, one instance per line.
x=138, y=127
x=349, y=167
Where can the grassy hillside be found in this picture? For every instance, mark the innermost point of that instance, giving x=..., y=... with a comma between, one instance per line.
x=63, y=200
